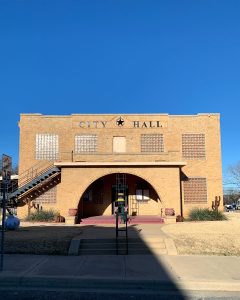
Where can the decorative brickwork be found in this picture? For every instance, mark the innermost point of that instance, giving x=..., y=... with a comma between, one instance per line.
x=47, y=146
x=195, y=190
x=85, y=143
x=158, y=149
x=152, y=143
x=48, y=197
x=193, y=146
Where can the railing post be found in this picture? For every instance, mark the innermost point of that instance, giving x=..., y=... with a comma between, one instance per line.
x=3, y=222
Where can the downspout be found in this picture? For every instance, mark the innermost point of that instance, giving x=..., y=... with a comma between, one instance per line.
x=181, y=198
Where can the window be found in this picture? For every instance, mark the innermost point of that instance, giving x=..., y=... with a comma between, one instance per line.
x=142, y=195
x=48, y=197
x=152, y=143
x=119, y=144
x=85, y=143
x=46, y=146
x=195, y=190
x=193, y=146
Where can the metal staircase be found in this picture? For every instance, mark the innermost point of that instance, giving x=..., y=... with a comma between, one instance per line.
x=30, y=180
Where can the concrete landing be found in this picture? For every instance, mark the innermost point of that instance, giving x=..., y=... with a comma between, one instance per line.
x=142, y=239
x=98, y=220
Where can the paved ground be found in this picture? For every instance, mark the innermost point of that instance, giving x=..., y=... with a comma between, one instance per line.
x=141, y=271
x=143, y=274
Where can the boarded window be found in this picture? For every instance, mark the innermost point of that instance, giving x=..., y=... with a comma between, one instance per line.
x=49, y=197
x=193, y=146
x=119, y=144
x=152, y=143
x=47, y=146
x=195, y=190
x=86, y=143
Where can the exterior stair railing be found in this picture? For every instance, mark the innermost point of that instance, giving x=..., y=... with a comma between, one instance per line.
x=33, y=172
x=31, y=178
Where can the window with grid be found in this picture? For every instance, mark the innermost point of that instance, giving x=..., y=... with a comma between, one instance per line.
x=193, y=146
x=49, y=197
x=85, y=143
x=47, y=146
x=152, y=143
x=195, y=190
x=142, y=195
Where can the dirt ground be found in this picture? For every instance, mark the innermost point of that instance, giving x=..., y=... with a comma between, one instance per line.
x=207, y=238
x=35, y=238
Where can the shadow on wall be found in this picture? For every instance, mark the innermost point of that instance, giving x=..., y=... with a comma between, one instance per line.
x=99, y=197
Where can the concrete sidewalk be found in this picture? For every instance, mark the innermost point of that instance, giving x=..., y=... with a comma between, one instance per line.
x=149, y=272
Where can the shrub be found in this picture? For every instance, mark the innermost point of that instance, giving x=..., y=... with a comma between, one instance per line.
x=179, y=218
x=205, y=214
x=43, y=216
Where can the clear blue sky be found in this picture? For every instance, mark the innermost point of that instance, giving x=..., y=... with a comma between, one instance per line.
x=176, y=57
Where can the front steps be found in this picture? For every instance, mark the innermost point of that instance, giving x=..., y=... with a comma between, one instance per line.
x=111, y=246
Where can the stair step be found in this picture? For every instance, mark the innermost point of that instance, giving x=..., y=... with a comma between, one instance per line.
x=121, y=252
x=35, y=182
x=110, y=240
x=134, y=246
x=121, y=245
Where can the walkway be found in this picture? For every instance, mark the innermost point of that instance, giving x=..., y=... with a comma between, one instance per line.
x=142, y=239
x=155, y=272
x=116, y=272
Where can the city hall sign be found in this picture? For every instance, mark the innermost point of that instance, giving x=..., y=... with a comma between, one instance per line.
x=120, y=122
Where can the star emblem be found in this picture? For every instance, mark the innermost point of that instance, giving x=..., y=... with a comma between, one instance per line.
x=120, y=122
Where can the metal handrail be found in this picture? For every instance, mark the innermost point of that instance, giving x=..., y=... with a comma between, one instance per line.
x=28, y=175
x=34, y=172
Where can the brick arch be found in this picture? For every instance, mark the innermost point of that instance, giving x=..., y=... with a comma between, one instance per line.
x=95, y=178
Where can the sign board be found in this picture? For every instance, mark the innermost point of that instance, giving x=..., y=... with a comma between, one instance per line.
x=6, y=168
x=6, y=174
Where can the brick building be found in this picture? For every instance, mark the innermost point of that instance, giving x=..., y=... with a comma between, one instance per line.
x=78, y=161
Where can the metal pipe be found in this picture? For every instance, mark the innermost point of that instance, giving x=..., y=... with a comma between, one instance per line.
x=3, y=224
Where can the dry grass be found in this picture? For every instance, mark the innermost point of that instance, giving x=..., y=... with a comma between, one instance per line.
x=40, y=239
x=207, y=238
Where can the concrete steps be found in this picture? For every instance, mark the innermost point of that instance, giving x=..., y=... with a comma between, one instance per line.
x=134, y=246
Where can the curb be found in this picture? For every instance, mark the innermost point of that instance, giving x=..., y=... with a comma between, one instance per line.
x=84, y=283
x=170, y=245
x=79, y=283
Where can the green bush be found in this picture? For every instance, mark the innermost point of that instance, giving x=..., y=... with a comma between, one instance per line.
x=205, y=214
x=43, y=216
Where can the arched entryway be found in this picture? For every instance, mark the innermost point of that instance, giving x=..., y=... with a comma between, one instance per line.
x=99, y=198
